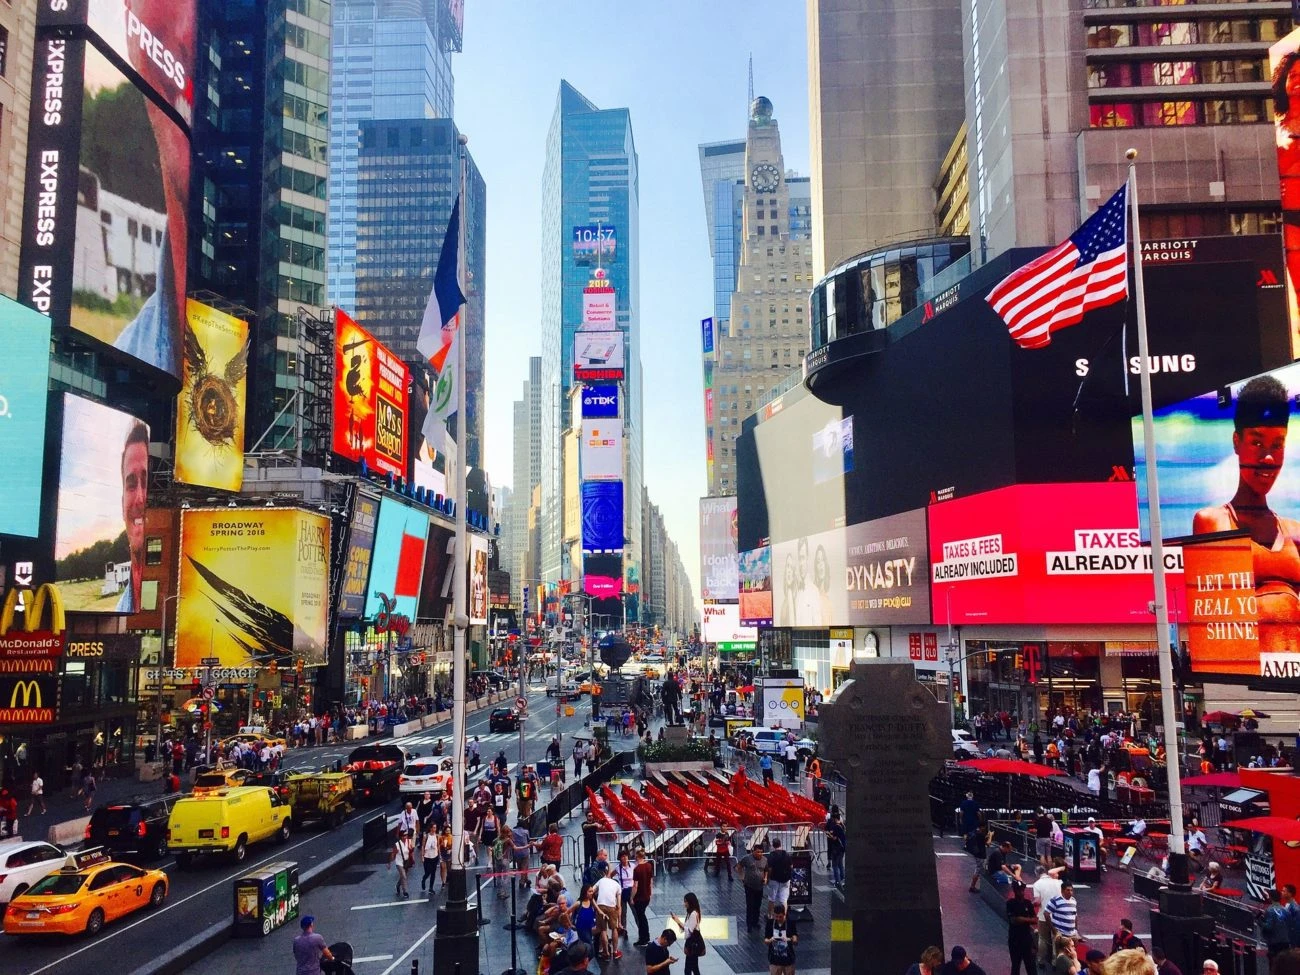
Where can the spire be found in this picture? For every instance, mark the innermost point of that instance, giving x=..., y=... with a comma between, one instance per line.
x=750, y=100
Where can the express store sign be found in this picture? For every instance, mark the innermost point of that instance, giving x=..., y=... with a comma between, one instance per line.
x=1046, y=553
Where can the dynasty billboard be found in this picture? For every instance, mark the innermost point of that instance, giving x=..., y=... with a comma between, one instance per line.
x=254, y=587
x=1046, y=553
x=99, y=548
x=210, y=410
x=602, y=516
x=868, y=574
x=370, y=390
x=398, y=559
x=24, y=382
x=356, y=563
x=719, y=560
x=993, y=414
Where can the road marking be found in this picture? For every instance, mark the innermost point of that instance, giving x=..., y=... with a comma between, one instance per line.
x=357, y=961
x=407, y=953
x=371, y=907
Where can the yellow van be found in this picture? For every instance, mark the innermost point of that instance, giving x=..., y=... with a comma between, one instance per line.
x=226, y=821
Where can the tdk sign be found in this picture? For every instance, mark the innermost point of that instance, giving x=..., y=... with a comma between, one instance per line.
x=600, y=401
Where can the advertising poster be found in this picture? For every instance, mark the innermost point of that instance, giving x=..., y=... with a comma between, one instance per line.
x=1284, y=67
x=1046, y=553
x=370, y=407
x=706, y=327
x=780, y=700
x=478, y=580
x=156, y=38
x=832, y=450
x=598, y=309
x=887, y=571
x=722, y=625
x=356, y=563
x=129, y=264
x=595, y=244
x=103, y=492
x=602, y=575
x=254, y=587
x=719, y=557
x=436, y=588
x=598, y=355
x=397, y=562
x=756, y=587
x=1226, y=628
x=807, y=581
x=210, y=410
x=600, y=402
x=602, y=516
x=24, y=385
x=601, y=456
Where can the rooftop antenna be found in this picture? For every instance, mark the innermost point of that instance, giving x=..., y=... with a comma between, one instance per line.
x=751, y=84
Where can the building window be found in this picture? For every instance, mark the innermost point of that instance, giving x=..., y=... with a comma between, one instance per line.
x=153, y=550
x=4, y=51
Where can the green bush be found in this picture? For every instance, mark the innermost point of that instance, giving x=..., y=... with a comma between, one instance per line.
x=692, y=750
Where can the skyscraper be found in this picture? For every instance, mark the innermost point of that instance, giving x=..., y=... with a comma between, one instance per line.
x=527, y=473
x=390, y=60
x=257, y=202
x=17, y=35
x=766, y=333
x=589, y=177
x=408, y=177
x=722, y=173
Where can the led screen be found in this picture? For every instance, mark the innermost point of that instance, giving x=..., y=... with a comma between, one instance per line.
x=210, y=409
x=356, y=563
x=598, y=355
x=370, y=399
x=602, y=516
x=398, y=559
x=600, y=402
x=601, y=455
x=756, y=587
x=478, y=580
x=24, y=380
x=592, y=241
x=719, y=560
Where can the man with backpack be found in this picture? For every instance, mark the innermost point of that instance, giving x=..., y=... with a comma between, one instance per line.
x=780, y=935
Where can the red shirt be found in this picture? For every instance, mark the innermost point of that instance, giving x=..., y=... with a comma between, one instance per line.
x=642, y=879
x=552, y=847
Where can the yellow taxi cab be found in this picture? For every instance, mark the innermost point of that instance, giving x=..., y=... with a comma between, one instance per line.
x=85, y=896
x=219, y=777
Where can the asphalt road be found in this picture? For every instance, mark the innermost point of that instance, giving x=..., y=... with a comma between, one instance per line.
x=203, y=895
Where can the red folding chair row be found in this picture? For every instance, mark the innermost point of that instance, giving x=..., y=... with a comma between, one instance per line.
x=677, y=817
x=646, y=812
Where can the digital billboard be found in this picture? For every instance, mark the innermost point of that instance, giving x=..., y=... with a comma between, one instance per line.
x=756, y=587
x=706, y=327
x=370, y=399
x=601, y=453
x=602, y=516
x=871, y=573
x=356, y=561
x=254, y=587
x=437, y=586
x=24, y=381
x=99, y=546
x=154, y=38
x=398, y=558
x=599, y=310
x=1046, y=553
x=1284, y=67
x=598, y=355
x=478, y=580
x=592, y=241
x=832, y=450
x=602, y=575
x=210, y=411
x=722, y=625
x=719, y=559
x=600, y=402
x=1231, y=617
x=1221, y=457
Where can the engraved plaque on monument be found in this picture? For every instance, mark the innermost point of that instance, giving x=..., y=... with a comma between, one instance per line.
x=888, y=736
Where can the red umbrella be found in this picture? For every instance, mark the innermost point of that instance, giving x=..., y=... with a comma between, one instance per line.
x=1219, y=717
x=1215, y=780
x=1008, y=766
x=1278, y=827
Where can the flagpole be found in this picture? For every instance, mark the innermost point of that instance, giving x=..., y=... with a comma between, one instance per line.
x=1178, y=873
x=460, y=617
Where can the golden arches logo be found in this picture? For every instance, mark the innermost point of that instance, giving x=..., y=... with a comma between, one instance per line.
x=30, y=690
x=34, y=609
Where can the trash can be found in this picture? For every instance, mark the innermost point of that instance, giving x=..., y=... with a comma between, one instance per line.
x=543, y=771
x=1081, y=854
x=265, y=899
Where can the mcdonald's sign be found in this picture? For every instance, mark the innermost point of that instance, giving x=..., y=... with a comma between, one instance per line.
x=28, y=699
x=38, y=636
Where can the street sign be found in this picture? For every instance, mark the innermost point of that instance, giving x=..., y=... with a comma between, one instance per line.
x=207, y=693
x=211, y=662
x=521, y=703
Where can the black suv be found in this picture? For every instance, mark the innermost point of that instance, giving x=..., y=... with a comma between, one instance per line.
x=503, y=719
x=136, y=825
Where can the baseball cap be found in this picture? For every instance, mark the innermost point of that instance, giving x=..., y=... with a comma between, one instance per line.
x=958, y=953
x=307, y=921
x=1094, y=955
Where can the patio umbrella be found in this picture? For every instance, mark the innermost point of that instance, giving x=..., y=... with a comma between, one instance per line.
x=1215, y=780
x=1219, y=717
x=1278, y=827
x=1251, y=713
x=1009, y=767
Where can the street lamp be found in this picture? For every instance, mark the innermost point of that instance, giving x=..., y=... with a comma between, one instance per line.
x=162, y=653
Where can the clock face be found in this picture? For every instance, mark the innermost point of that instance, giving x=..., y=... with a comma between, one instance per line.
x=765, y=177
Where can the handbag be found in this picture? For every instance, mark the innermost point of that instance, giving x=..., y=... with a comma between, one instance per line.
x=695, y=947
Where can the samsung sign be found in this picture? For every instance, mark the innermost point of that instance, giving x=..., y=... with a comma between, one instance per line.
x=600, y=401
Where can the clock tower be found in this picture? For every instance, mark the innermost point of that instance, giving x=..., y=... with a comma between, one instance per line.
x=767, y=197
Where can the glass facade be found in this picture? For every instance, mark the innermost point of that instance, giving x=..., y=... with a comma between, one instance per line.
x=875, y=289
x=408, y=176
x=590, y=176
x=722, y=171
x=389, y=61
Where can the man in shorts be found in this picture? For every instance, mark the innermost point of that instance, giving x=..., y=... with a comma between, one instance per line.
x=780, y=868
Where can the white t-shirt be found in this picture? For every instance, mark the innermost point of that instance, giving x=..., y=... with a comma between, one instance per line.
x=430, y=851
x=1045, y=888
x=38, y=787
x=1196, y=841
x=607, y=892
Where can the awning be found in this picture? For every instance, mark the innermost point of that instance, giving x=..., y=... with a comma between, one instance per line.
x=1278, y=827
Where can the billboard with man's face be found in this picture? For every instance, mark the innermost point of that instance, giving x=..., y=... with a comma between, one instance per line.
x=103, y=493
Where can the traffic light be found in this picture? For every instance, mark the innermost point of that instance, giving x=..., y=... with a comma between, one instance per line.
x=196, y=687
x=273, y=667
x=1020, y=661
x=298, y=666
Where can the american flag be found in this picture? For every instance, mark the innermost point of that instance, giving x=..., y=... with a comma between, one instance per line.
x=1055, y=291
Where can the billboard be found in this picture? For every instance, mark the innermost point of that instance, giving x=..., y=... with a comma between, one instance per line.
x=397, y=561
x=99, y=547
x=706, y=326
x=24, y=381
x=602, y=516
x=594, y=244
x=1046, y=553
x=602, y=576
x=601, y=454
x=155, y=39
x=356, y=561
x=756, y=586
x=780, y=701
x=1284, y=66
x=832, y=450
x=722, y=624
x=600, y=402
x=254, y=587
x=478, y=580
x=598, y=355
x=436, y=588
x=210, y=411
x=599, y=312
x=719, y=559
x=1229, y=620
x=370, y=406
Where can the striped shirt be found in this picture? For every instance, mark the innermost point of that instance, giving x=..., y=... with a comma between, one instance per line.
x=1064, y=914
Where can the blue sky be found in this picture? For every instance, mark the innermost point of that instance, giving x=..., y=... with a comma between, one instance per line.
x=680, y=67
